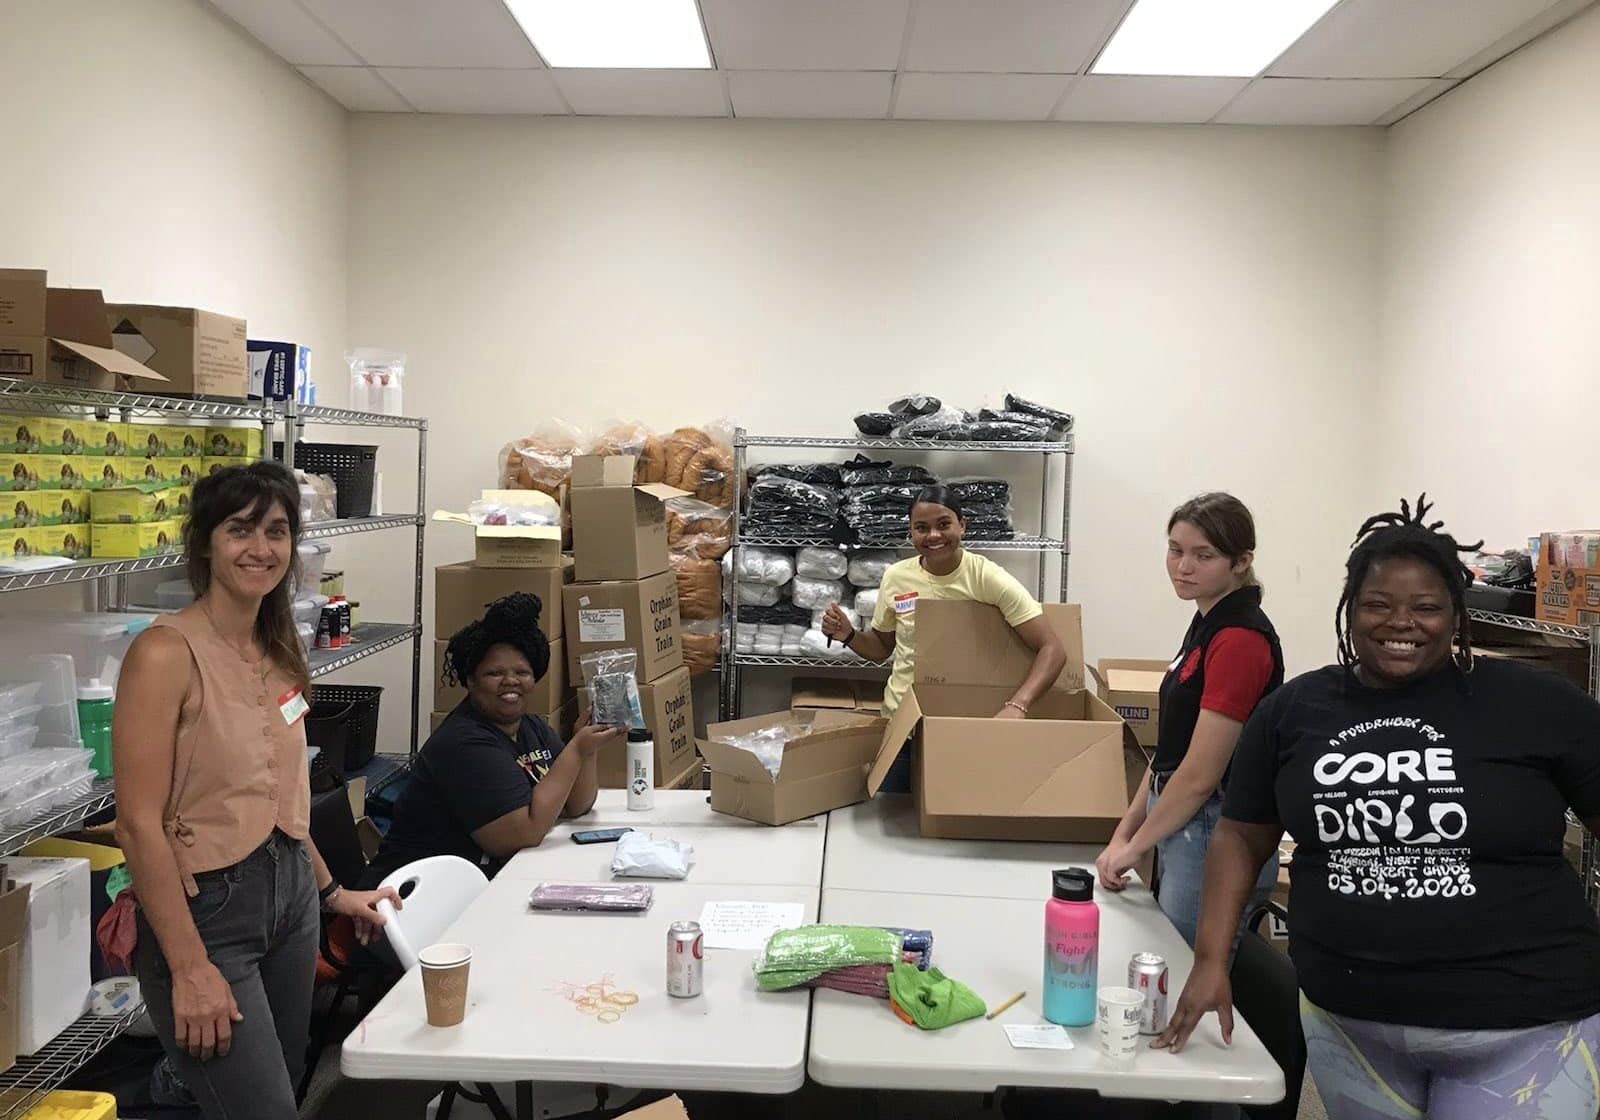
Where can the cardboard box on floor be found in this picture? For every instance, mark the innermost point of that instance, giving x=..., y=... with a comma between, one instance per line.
x=1132, y=686
x=865, y=697
x=462, y=591
x=515, y=546
x=824, y=765
x=1568, y=578
x=1063, y=773
x=668, y=1108
x=637, y=614
x=548, y=693
x=13, y=921
x=619, y=530
x=669, y=717
x=59, y=336
x=198, y=352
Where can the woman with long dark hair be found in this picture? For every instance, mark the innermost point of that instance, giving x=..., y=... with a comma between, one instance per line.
x=213, y=806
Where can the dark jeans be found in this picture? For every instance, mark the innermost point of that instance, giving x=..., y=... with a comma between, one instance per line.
x=259, y=922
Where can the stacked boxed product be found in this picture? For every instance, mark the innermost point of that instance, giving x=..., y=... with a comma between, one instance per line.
x=1568, y=578
x=1132, y=687
x=62, y=336
x=626, y=598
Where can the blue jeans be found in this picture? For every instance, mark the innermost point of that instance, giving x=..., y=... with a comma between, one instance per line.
x=1182, y=861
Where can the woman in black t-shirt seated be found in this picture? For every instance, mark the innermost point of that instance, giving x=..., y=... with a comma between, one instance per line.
x=1448, y=963
x=491, y=780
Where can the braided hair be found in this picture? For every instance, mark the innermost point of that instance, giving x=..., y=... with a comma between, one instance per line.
x=512, y=621
x=1384, y=536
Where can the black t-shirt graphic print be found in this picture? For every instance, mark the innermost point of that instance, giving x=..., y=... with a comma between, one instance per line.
x=1428, y=886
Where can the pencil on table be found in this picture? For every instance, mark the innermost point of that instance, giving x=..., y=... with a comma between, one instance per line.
x=1006, y=1005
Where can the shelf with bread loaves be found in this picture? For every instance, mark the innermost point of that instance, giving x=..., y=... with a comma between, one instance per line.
x=1051, y=539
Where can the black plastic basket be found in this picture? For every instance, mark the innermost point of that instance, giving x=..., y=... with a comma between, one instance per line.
x=343, y=721
x=350, y=465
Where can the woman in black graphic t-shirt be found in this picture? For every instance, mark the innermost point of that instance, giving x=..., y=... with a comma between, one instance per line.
x=1449, y=964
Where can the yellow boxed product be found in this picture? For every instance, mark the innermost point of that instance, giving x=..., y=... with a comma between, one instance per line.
x=16, y=434
x=102, y=473
x=19, y=509
x=211, y=464
x=126, y=542
x=179, y=502
x=71, y=541
x=102, y=437
x=175, y=441
x=18, y=472
x=180, y=472
x=77, y=435
x=236, y=443
x=52, y=434
x=142, y=501
x=59, y=507
x=18, y=542
x=71, y=1104
x=59, y=472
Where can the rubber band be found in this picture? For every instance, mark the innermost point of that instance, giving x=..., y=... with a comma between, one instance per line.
x=609, y=1016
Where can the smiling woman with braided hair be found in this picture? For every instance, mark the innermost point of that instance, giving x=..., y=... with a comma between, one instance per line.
x=1448, y=964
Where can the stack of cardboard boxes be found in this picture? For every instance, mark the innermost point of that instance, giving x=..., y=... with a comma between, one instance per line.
x=626, y=597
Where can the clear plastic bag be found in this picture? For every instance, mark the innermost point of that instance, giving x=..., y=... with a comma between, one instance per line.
x=598, y=898
x=821, y=563
x=621, y=437
x=848, y=612
x=764, y=565
x=759, y=595
x=792, y=957
x=614, y=687
x=767, y=744
x=867, y=603
x=541, y=460
x=495, y=513
x=816, y=594
x=698, y=528
x=376, y=379
x=934, y=425
x=817, y=644
x=638, y=856
x=866, y=569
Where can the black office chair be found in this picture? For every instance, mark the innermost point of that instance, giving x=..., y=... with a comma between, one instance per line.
x=1267, y=993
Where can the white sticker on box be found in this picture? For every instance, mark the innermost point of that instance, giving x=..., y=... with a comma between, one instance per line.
x=603, y=625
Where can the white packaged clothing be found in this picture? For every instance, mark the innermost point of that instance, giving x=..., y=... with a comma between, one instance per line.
x=759, y=595
x=764, y=565
x=638, y=856
x=821, y=563
x=866, y=569
x=816, y=644
x=815, y=594
x=867, y=604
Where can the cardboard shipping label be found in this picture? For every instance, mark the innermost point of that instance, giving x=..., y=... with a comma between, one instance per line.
x=602, y=625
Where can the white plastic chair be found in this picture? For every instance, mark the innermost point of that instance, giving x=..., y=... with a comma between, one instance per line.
x=441, y=888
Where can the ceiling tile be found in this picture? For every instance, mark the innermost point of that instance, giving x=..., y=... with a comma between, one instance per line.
x=1319, y=101
x=643, y=93
x=978, y=97
x=1401, y=38
x=288, y=31
x=428, y=32
x=810, y=93
x=1148, y=100
x=805, y=34
x=356, y=88
x=477, y=91
x=1009, y=36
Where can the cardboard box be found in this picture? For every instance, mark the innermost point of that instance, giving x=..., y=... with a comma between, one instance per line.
x=1064, y=773
x=168, y=441
x=68, y=472
x=1132, y=686
x=836, y=694
x=181, y=472
x=211, y=464
x=548, y=694
x=55, y=947
x=60, y=336
x=668, y=709
x=17, y=435
x=76, y=435
x=13, y=924
x=126, y=542
x=60, y=507
x=668, y=1108
x=515, y=546
x=1568, y=578
x=462, y=591
x=234, y=443
x=619, y=530
x=824, y=765
x=196, y=351
x=142, y=501
x=19, y=472
x=641, y=615
x=71, y=541
x=277, y=370
x=18, y=542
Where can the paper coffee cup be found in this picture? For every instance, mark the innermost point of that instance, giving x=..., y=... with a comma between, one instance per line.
x=1117, y=1015
x=444, y=983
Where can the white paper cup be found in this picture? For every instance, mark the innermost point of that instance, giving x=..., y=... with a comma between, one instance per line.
x=1117, y=1015
x=444, y=982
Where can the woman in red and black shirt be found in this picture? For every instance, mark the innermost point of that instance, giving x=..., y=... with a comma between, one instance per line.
x=1230, y=660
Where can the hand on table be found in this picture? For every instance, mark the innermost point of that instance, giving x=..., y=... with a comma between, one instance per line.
x=1208, y=989
x=1114, y=863
x=835, y=625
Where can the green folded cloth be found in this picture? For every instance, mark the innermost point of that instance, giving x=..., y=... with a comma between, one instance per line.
x=794, y=956
x=931, y=999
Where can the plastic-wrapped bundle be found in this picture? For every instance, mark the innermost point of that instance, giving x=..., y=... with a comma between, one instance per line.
x=788, y=493
x=981, y=491
x=779, y=614
x=866, y=569
x=915, y=405
x=817, y=644
x=867, y=604
x=813, y=474
x=759, y=595
x=1002, y=431
x=821, y=563
x=876, y=424
x=815, y=594
x=1059, y=419
x=865, y=473
x=763, y=565
x=767, y=743
x=794, y=956
x=610, y=675
x=933, y=425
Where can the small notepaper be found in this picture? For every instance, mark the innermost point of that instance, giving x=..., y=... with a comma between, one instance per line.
x=1037, y=1036
x=747, y=925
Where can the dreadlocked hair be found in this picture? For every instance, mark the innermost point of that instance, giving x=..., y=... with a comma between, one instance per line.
x=1384, y=536
x=512, y=621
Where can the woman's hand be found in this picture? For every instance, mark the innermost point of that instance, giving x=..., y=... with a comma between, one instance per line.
x=835, y=625
x=590, y=738
x=1113, y=864
x=1208, y=989
x=361, y=907
x=203, y=1011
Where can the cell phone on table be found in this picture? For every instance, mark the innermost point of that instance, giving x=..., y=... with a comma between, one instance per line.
x=599, y=835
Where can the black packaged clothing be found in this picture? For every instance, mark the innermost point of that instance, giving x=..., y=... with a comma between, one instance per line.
x=1428, y=886
x=467, y=774
x=1184, y=685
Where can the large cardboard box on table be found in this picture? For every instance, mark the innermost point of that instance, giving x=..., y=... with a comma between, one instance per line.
x=636, y=614
x=462, y=591
x=198, y=352
x=548, y=693
x=619, y=530
x=1064, y=773
x=59, y=336
x=511, y=545
x=13, y=924
x=669, y=717
x=1132, y=686
x=824, y=765
x=54, y=976
x=1568, y=578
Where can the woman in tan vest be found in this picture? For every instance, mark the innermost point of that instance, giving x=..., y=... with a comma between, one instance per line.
x=213, y=807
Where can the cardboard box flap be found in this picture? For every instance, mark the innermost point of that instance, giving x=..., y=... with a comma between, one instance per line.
x=661, y=491
x=77, y=315
x=671, y=1108
x=1062, y=771
x=821, y=692
x=112, y=361
x=603, y=470
x=895, y=736
x=970, y=643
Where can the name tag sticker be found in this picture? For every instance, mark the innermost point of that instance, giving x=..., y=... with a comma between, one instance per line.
x=905, y=603
x=293, y=706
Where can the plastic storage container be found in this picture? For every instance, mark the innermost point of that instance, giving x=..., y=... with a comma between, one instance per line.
x=69, y=1104
x=16, y=698
x=97, y=643
x=49, y=679
x=313, y=561
x=343, y=721
x=16, y=737
x=308, y=610
x=174, y=594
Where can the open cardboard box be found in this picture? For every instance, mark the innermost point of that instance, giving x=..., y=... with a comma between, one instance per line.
x=822, y=769
x=1063, y=773
x=619, y=530
x=515, y=546
x=844, y=695
x=61, y=336
x=1132, y=686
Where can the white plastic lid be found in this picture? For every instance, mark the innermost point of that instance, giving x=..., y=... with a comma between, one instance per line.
x=92, y=689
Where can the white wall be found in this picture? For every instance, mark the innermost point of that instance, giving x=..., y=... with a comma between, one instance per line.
x=1204, y=300
x=1490, y=352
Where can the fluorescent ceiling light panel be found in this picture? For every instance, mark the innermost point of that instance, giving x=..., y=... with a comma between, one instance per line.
x=615, y=34
x=1207, y=38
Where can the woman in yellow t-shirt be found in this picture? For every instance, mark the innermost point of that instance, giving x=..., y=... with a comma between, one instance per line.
x=942, y=569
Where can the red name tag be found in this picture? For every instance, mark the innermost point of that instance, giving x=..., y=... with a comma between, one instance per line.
x=293, y=706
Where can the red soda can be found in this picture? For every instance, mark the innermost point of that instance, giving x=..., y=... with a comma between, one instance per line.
x=685, y=959
x=1147, y=973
